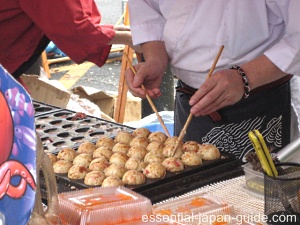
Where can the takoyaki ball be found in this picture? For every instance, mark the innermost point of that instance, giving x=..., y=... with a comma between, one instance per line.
x=94, y=178
x=83, y=159
x=102, y=152
x=151, y=157
x=173, y=164
x=52, y=157
x=155, y=170
x=118, y=158
x=135, y=164
x=115, y=170
x=209, y=152
x=155, y=145
x=112, y=182
x=191, y=158
x=133, y=177
x=62, y=166
x=86, y=147
x=172, y=140
x=169, y=150
x=99, y=164
x=123, y=137
x=137, y=152
x=139, y=141
x=142, y=131
x=157, y=136
x=121, y=148
x=67, y=154
x=77, y=172
x=105, y=141
x=191, y=146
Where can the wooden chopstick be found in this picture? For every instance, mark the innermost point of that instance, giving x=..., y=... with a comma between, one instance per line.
x=183, y=131
x=149, y=100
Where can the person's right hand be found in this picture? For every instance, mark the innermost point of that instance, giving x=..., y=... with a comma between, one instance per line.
x=150, y=75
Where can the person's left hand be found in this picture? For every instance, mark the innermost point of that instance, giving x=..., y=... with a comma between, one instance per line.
x=223, y=88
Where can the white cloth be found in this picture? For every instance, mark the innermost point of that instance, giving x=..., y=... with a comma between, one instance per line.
x=193, y=31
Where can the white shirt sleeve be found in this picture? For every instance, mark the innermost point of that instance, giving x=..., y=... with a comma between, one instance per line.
x=286, y=53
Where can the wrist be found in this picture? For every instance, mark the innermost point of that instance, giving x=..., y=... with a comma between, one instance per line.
x=245, y=80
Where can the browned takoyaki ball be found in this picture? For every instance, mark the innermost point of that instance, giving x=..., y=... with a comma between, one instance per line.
x=66, y=154
x=154, y=170
x=62, y=166
x=155, y=146
x=137, y=152
x=157, y=136
x=99, y=164
x=142, y=131
x=118, y=158
x=94, y=178
x=139, y=141
x=121, y=148
x=191, y=158
x=86, y=147
x=112, y=182
x=123, y=137
x=52, y=157
x=209, y=152
x=191, y=146
x=115, y=170
x=173, y=164
x=172, y=140
x=102, y=151
x=83, y=159
x=77, y=172
x=169, y=150
x=133, y=177
x=154, y=157
x=105, y=141
x=135, y=164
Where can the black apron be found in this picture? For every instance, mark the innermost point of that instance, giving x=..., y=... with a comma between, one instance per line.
x=268, y=109
x=36, y=54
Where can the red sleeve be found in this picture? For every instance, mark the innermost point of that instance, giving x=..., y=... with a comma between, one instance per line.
x=74, y=26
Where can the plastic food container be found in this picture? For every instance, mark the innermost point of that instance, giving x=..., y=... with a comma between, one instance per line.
x=254, y=179
x=96, y=206
x=195, y=209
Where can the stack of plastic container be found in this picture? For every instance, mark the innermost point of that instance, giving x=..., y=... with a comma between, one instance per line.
x=107, y=206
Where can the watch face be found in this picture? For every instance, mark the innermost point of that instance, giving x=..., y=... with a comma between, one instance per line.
x=18, y=152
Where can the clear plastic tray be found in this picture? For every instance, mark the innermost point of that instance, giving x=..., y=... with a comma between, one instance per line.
x=254, y=179
x=107, y=206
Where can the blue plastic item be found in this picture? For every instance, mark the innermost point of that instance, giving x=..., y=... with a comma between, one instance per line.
x=153, y=127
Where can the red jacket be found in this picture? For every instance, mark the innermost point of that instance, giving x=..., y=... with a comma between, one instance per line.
x=73, y=25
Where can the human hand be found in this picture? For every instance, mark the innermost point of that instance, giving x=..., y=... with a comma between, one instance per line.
x=223, y=88
x=121, y=28
x=147, y=74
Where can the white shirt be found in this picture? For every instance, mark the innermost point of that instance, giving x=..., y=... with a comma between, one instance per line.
x=194, y=30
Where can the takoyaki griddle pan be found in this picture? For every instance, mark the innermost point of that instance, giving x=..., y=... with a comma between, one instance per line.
x=173, y=184
x=66, y=128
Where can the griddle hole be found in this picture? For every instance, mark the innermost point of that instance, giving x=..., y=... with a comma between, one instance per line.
x=62, y=114
x=44, y=119
x=63, y=135
x=97, y=134
x=51, y=131
x=77, y=139
x=56, y=122
x=60, y=144
x=46, y=140
x=103, y=126
x=68, y=125
x=43, y=109
x=39, y=126
x=85, y=122
x=82, y=130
